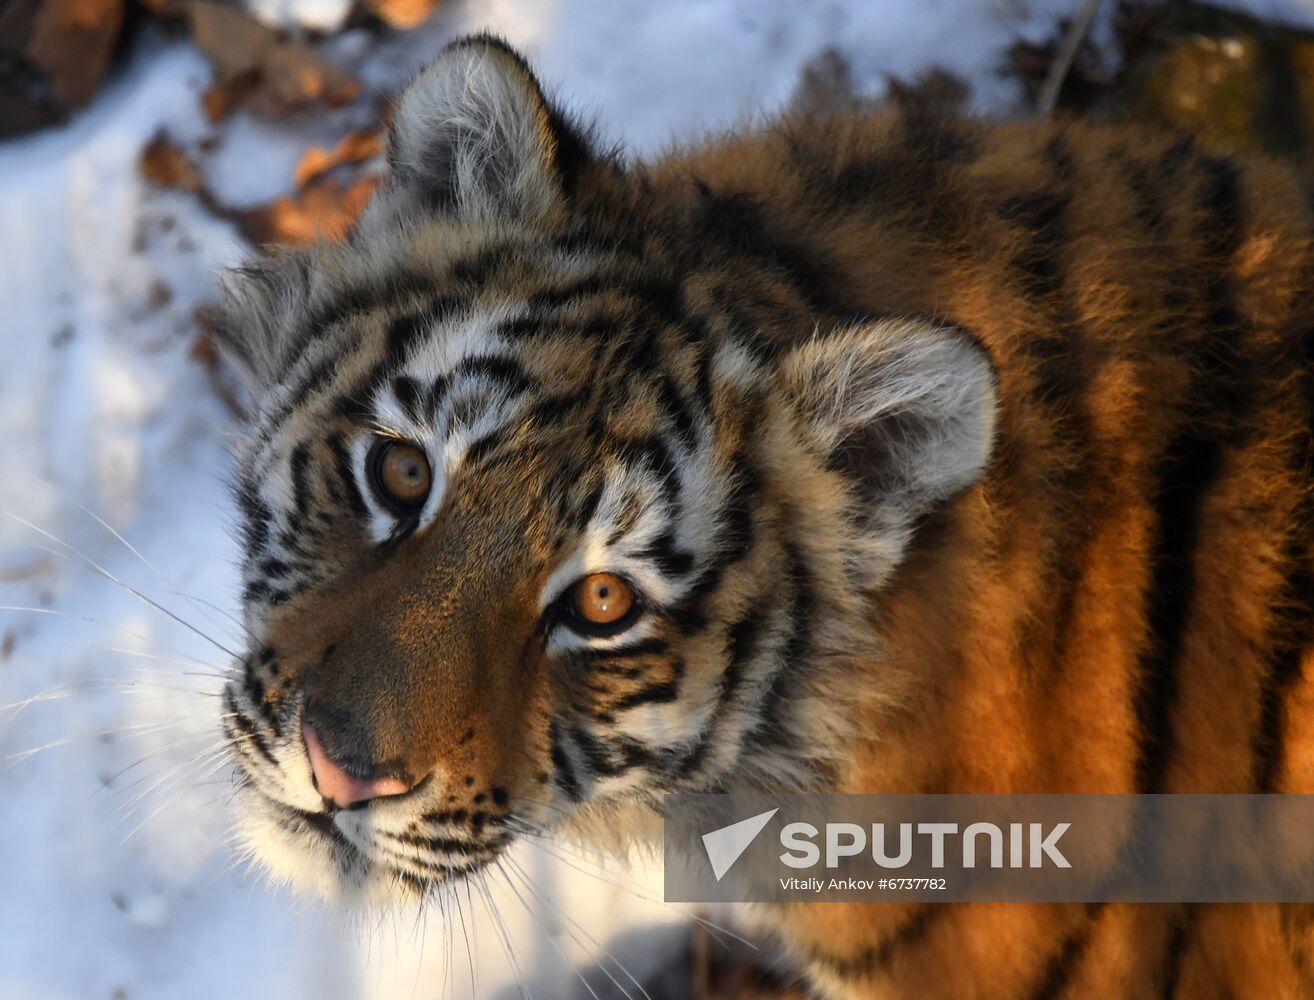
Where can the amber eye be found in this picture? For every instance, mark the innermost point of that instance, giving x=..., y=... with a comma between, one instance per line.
x=401, y=474
x=602, y=602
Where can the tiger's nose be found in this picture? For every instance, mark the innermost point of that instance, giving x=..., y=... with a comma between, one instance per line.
x=339, y=787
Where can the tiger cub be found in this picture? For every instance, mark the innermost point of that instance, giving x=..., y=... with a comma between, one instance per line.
x=884, y=452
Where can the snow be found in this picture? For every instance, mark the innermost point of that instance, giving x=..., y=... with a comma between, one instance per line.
x=117, y=879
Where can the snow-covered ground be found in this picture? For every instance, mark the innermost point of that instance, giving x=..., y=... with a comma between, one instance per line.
x=115, y=878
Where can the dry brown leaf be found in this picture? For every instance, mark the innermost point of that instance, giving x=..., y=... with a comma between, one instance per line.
x=220, y=100
x=355, y=147
x=203, y=349
x=403, y=14
x=162, y=162
x=260, y=69
x=325, y=210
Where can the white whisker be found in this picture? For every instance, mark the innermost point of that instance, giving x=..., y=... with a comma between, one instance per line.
x=503, y=935
x=102, y=571
x=579, y=973
x=140, y=557
x=593, y=942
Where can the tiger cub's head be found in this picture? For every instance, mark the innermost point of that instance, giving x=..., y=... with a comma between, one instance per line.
x=552, y=504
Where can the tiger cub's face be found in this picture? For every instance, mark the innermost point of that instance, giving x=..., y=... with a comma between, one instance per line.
x=532, y=532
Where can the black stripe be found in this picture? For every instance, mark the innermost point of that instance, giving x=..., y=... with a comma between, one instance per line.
x=275, y=568
x=248, y=729
x=742, y=647
x=589, y=505
x=1283, y=674
x=1061, y=372
x=663, y=299
x=586, y=287
x=1145, y=195
x=652, y=454
x=298, y=464
x=734, y=543
x=773, y=728
x=598, y=326
x=408, y=394
x=403, y=331
x=496, y=368
x=613, y=757
x=1058, y=973
x=1058, y=153
x=553, y=409
x=1190, y=466
x=482, y=267
x=1185, y=476
x=736, y=223
x=616, y=670
x=1040, y=214
x=255, y=690
x=319, y=377
x=1174, y=158
x=1294, y=610
x=355, y=303
x=672, y=560
x=654, y=694
x=436, y=392
x=521, y=328
x=563, y=770
x=910, y=168
x=873, y=958
x=677, y=411
x=703, y=376
x=642, y=354
x=479, y=450
x=256, y=518
x=644, y=647
x=416, y=324
x=343, y=464
x=445, y=845
x=1180, y=940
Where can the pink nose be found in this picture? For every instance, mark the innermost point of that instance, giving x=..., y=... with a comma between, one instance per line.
x=339, y=787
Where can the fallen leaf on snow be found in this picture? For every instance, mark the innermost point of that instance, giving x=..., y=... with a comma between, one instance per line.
x=403, y=14
x=258, y=68
x=355, y=147
x=324, y=210
x=162, y=162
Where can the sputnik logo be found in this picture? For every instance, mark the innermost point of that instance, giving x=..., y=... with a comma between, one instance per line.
x=724, y=846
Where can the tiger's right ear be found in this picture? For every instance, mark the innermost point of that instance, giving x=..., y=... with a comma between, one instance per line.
x=473, y=134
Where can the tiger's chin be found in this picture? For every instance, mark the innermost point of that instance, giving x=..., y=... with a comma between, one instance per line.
x=343, y=858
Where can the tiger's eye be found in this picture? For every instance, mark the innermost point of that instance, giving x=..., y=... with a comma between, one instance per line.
x=603, y=599
x=403, y=473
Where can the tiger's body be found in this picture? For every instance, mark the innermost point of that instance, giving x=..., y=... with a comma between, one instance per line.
x=942, y=457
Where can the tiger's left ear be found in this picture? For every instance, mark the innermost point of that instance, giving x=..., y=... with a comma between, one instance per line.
x=905, y=408
x=474, y=134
